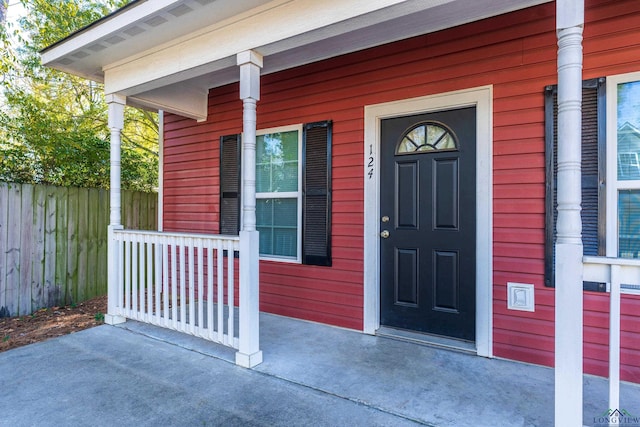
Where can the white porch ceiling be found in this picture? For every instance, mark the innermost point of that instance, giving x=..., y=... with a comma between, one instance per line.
x=167, y=54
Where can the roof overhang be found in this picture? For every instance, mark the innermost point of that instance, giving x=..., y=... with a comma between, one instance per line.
x=167, y=54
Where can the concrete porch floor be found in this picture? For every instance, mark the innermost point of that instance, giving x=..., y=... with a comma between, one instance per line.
x=138, y=375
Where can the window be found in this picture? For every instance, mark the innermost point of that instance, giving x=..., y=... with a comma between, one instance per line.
x=278, y=192
x=593, y=174
x=427, y=136
x=623, y=166
x=293, y=191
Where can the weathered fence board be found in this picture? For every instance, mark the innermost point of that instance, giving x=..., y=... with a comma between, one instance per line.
x=51, y=288
x=58, y=247
x=103, y=218
x=12, y=256
x=37, y=248
x=53, y=243
x=83, y=245
x=26, y=235
x=4, y=195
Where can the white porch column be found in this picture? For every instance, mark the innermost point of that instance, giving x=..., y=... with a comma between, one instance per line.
x=160, y=170
x=568, y=263
x=249, y=353
x=116, y=105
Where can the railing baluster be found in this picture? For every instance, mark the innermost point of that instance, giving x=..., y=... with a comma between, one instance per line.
x=135, y=285
x=200, y=288
x=183, y=287
x=174, y=283
x=127, y=276
x=157, y=280
x=142, y=280
x=165, y=283
x=230, y=292
x=220, y=275
x=149, y=279
x=614, y=339
x=210, y=323
x=192, y=297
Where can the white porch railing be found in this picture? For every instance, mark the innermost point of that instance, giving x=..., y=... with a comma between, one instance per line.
x=184, y=282
x=618, y=273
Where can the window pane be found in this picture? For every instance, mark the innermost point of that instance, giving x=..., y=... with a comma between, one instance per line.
x=263, y=177
x=285, y=242
x=285, y=212
x=277, y=222
x=427, y=137
x=264, y=211
x=277, y=162
x=266, y=237
x=629, y=223
x=290, y=145
x=628, y=126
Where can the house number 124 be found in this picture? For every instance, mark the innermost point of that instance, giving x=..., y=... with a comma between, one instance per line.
x=370, y=162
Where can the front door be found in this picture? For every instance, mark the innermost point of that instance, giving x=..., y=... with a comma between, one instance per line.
x=428, y=223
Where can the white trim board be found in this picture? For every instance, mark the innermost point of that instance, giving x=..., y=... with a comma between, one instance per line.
x=482, y=99
x=613, y=184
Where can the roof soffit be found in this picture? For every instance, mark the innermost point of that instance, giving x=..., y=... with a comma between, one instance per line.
x=195, y=48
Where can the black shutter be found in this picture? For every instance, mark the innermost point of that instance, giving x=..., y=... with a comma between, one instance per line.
x=230, y=184
x=593, y=174
x=316, y=194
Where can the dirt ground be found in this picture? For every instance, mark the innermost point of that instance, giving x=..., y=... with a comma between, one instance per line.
x=51, y=322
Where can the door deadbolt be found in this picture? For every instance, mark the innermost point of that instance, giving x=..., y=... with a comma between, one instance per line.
x=384, y=234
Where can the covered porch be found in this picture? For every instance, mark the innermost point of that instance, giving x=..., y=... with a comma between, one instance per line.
x=193, y=283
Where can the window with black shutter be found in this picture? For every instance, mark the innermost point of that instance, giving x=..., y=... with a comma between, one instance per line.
x=593, y=174
x=316, y=190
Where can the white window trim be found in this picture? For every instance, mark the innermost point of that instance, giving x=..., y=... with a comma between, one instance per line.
x=289, y=194
x=613, y=185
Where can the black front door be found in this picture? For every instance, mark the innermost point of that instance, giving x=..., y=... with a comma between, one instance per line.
x=428, y=223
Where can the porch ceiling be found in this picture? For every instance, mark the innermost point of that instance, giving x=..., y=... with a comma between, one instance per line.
x=167, y=54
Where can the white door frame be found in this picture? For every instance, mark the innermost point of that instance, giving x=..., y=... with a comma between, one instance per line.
x=482, y=99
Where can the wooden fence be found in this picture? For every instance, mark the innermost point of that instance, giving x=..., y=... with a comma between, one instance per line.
x=53, y=243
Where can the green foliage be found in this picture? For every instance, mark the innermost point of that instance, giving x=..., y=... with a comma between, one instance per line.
x=48, y=21
x=53, y=126
x=7, y=56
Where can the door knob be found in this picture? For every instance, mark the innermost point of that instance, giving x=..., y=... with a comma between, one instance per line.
x=384, y=234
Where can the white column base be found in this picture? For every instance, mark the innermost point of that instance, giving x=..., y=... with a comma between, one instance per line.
x=248, y=360
x=249, y=354
x=112, y=319
x=569, y=335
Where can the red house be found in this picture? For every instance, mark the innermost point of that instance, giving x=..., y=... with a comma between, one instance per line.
x=462, y=173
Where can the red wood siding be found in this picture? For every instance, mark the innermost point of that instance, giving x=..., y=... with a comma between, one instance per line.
x=516, y=53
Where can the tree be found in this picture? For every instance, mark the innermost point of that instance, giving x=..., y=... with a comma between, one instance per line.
x=53, y=126
x=6, y=56
x=3, y=11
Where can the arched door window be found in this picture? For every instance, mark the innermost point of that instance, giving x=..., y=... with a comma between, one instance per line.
x=427, y=137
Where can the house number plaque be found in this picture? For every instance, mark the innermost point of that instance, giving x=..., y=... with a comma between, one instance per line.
x=370, y=162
